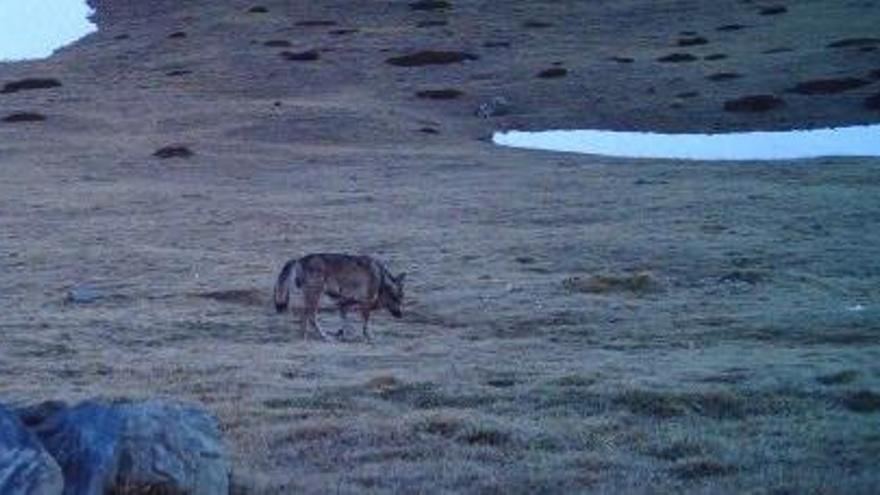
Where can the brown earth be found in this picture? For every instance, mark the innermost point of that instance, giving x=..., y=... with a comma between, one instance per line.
x=574, y=323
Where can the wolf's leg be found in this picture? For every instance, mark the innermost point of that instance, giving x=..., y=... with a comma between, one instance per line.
x=304, y=323
x=321, y=332
x=365, y=314
x=311, y=299
x=343, y=313
x=314, y=301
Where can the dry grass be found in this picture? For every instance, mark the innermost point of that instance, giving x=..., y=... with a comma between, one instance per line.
x=574, y=323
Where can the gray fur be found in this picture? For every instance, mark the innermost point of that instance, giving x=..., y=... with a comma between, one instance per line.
x=351, y=281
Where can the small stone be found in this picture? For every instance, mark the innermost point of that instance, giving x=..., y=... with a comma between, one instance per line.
x=498, y=106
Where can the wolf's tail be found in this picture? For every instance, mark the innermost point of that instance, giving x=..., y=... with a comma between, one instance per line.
x=282, y=286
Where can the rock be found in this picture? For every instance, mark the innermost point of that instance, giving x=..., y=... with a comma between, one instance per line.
x=82, y=294
x=498, y=106
x=152, y=446
x=25, y=466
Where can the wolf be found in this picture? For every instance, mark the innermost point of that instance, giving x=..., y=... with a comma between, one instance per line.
x=349, y=280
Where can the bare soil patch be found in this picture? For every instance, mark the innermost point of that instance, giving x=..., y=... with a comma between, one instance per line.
x=532, y=356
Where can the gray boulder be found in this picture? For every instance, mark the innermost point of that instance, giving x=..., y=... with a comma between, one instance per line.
x=25, y=466
x=126, y=447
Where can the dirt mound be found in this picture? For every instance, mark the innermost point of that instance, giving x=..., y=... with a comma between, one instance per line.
x=828, y=86
x=677, y=58
x=773, y=10
x=433, y=23
x=553, y=73
x=173, y=151
x=723, y=76
x=754, y=103
x=537, y=24
x=316, y=23
x=24, y=117
x=854, y=43
x=692, y=41
x=776, y=50
x=306, y=56
x=440, y=94
x=862, y=402
x=430, y=5
x=431, y=57
x=30, y=83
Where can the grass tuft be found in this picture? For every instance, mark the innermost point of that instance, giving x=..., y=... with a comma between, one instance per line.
x=839, y=378
x=863, y=402
x=693, y=469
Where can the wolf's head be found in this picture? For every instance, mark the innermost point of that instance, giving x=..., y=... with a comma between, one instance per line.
x=391, y=293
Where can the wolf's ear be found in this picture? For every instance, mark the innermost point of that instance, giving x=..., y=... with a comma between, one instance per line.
x=400, y=277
